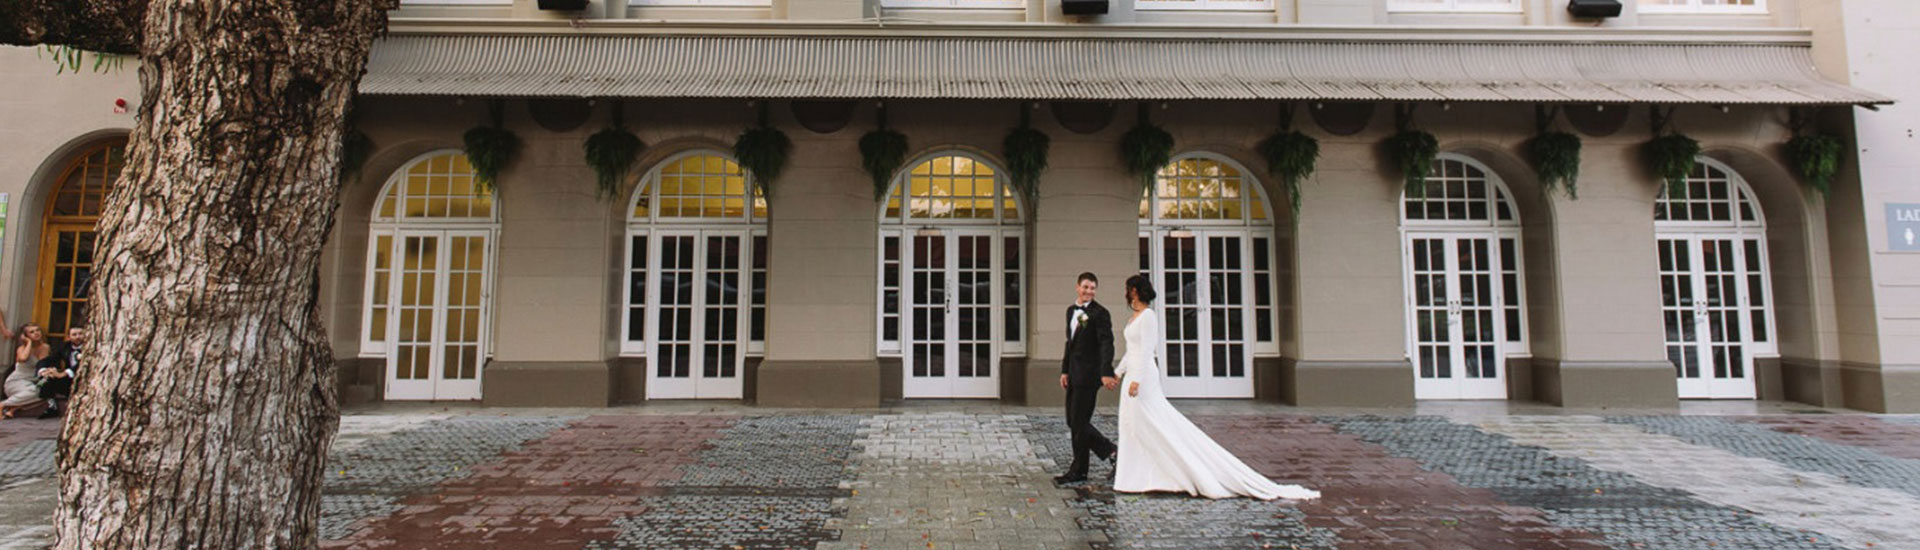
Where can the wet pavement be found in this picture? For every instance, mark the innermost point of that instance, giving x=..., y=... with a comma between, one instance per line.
x=978, y=476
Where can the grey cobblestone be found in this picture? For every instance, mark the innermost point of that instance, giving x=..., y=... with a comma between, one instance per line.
x=340, y=514
x=1631, y=515
x=27, y=460
x=723, y=522
x=412, y=460
x=1853, y=464
x=776, y=452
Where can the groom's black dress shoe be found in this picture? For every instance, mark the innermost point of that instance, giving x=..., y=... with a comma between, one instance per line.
x=1065, y=479
x=1111, y=457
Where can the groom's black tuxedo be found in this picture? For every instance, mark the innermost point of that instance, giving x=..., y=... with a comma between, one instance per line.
x=1088, y=358
x=1089, y=354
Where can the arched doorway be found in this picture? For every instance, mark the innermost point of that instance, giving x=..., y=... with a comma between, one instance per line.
x=1206, y=237
x=696, y=292
x=429, y=292
x=1462, y=264
x=68, y=234
x=952, y=256
x=1714, y=288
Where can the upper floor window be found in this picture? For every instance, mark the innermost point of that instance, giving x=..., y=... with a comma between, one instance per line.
x=503, y=3
x=955, y=4
x=1205, y=5
x=744, y=3
x=1454, y=5
x=1703, y=6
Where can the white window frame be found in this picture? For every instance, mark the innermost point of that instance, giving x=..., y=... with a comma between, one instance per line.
x=502, y=3
x=390, y=227
x=1739, y=231
x=748, y=227
x=1696, y=7
x=1153, y=227
x=905, y=227
x=701, y=3
x=1203, y=5
x=1452, y=6
x=956, y=4
x=1495, y=229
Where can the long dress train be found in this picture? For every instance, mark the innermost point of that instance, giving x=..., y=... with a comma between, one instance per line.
x=1160, y=450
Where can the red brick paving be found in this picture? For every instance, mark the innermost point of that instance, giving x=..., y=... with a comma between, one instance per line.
x=1375, y=501
x=1887, y=438
x=555, y=493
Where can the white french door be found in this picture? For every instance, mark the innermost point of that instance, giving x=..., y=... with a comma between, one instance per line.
x=1205, y=295
x=440, y=304
x=950, y=348
x=1455, y=303
x=697, y=348
x=1713, y=307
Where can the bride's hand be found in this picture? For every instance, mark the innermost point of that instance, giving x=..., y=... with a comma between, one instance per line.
x=1133, y=390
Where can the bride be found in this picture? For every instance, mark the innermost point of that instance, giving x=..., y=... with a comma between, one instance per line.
x=1160, y=450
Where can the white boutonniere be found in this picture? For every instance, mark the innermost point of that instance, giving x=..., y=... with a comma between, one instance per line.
x=1080, y=317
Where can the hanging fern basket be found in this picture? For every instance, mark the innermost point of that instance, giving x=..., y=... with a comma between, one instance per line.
x=1556, y=161
x=882, y=151
x=611, y=153
x=1025, y=149
x=1817, y=158
x=763, y=152
x=1291, y=157
x=355, y=148
x=1412, y=152
x=1145, y=148
x=490, y=149
x=1671, y=158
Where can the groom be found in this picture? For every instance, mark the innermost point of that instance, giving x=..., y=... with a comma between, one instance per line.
x=1084, y=369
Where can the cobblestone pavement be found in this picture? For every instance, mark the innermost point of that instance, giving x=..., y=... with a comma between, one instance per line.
x=739, y=478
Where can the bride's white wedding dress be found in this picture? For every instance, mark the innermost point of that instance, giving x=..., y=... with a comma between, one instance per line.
x=1160, y=450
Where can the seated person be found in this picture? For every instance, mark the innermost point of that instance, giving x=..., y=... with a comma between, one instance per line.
x=58, y=369
x=23, y=384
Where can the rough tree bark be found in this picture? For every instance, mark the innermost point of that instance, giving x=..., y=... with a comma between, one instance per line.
x=206, y=404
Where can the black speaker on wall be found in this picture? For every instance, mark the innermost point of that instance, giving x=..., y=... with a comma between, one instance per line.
x=1594, y=8
x=1083, y=7
x=563, y=5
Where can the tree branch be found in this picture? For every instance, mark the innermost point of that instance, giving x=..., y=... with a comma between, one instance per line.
x=105, y=26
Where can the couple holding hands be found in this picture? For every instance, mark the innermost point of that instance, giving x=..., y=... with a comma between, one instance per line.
x=1159, y=449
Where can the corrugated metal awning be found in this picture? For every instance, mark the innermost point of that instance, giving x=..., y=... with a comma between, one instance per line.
x=1096, y=69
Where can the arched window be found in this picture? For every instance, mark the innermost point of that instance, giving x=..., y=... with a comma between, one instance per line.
x=68, y=237
x=696, y=292
x=1206, y=238
x=1714, y=284
x=1465, y=293
x=430, y=279
x=952, y=264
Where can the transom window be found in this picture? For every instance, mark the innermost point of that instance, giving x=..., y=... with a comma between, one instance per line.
x=954, y=4
x=68, y=238
x=717, y=3
x=1709, y=196
x=438, y=187
x=1202, y=190
x=1204, y=5
x=1454, y=5
x=1457, y=191
x=1703, y=6
x=953, y=188
x=704, y=185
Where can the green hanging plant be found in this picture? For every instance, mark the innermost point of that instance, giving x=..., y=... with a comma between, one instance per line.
x=1817, y=158
x=355, y=148
x=1413, y=152
x=1556, y=160
x=763, y=151
x=882, y=151
x=1145, y=148
x=490, y=149
x=611, y=153
x=1671, y=157
x=1025, y=149
x=1291, y=157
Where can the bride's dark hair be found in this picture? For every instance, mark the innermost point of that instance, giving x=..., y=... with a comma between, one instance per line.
x=1142, y=288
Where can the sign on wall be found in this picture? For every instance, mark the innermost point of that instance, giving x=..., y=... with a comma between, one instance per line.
x=4, y=197
x=1903, y=227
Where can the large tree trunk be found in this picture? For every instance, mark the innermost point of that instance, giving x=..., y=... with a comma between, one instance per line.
x=205, y=406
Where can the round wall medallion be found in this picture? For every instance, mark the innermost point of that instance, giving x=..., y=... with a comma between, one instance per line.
x=1083, y=117
x=824, y=116
x=1598, y=120
x=1342, y=118
x=560, y=114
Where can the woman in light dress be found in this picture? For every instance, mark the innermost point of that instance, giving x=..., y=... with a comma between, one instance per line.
x=1160, y=450
x=23, y=393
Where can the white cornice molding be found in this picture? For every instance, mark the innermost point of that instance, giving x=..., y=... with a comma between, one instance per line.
x=871, y=29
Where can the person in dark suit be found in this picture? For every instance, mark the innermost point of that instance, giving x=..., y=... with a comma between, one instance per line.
x=1086, y=367
x=59, y=368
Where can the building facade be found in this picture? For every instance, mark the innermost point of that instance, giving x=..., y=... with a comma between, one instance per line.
x=691, y=277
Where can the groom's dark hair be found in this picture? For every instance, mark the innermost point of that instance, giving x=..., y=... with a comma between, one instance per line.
x=1088, y=276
